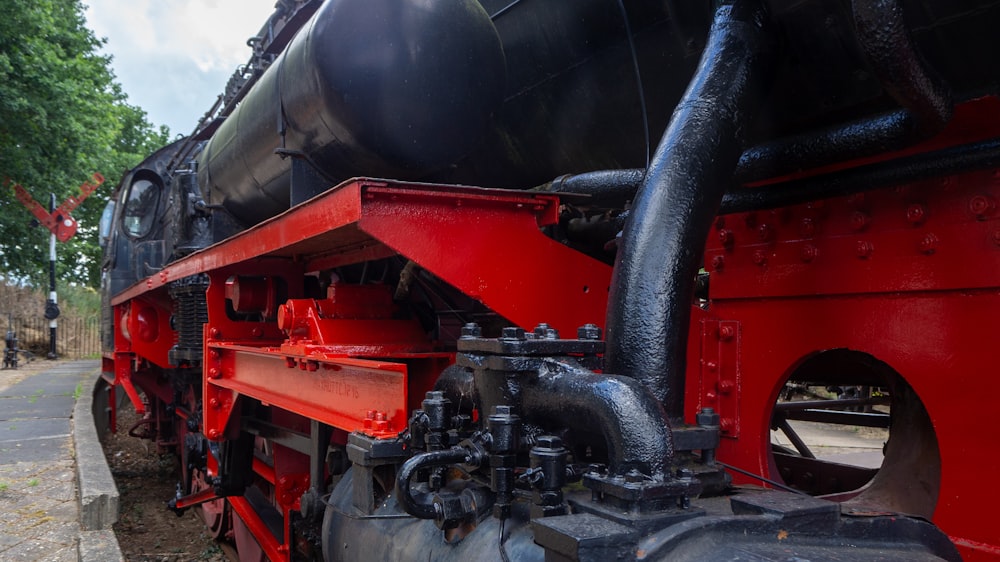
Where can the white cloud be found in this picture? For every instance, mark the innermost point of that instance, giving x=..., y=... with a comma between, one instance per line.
x=173, y=57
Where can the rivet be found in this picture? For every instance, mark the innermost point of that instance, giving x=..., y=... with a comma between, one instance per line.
x=726, y=333
x=726, y=238
x=213, y=433
x=916, y=213
x=256, y=332
x=859, y=220
x=214, y=403
x=759, y=258
x=718, y=262
x=928, y=244
x=725, y=387
x=765, y=232
x=712, y=366
x=982, y=206
x=214, y=373
x=996, y=237
x=809, y=253
x=215, y=333
x=807, y=227
x=864, y=249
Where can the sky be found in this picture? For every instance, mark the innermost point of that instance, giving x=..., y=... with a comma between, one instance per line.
x=174, y=57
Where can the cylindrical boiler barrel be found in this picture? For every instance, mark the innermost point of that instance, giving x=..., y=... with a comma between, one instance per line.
x=368, y=87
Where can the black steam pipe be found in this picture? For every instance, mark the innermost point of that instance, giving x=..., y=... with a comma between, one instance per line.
x=971, y=157
x=940, y=163
x=652, y=284
x=926, y=101
x=603, y=186
x=621, y=409
x=458, y=386
x=419, y=462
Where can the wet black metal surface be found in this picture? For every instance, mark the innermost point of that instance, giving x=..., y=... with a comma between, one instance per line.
x=653, y=282
x=384, y=87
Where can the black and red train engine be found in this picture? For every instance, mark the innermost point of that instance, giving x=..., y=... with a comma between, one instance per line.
x=622, y=253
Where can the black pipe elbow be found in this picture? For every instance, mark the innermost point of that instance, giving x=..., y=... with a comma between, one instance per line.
x=404, y=493
x=620, y=409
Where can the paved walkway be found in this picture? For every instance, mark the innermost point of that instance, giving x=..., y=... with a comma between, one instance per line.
x=39, y=508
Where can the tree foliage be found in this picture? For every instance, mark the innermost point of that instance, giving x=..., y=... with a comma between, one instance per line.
x=62, y=118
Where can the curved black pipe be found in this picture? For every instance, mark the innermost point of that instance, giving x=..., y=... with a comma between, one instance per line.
x=420, y=462
x=889, y=49
x=619, y=408
x=652, y=285
x=967, y=158
x=603, y=186
x=928, y=165
x=458, y=386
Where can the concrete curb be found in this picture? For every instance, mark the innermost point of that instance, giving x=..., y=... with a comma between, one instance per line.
x=99, y=546
x=97, y=492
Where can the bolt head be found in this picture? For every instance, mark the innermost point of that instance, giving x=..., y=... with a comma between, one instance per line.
x=707, y=417
x=588, y=332
x=512, y=333
x=726, y=332
x=808, y=227
x=928, y=244
x=809, y=253
x=718, y=262
x=502, y=410
x=471, y=331
x=549, y=442
x=765, y=232
x=859, y=220
x=864, y=249
x=544, y=331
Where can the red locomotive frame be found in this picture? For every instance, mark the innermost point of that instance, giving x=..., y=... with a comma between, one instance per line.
x=908, y=276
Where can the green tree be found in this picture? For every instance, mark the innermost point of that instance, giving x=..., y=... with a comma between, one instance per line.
x=62, y=118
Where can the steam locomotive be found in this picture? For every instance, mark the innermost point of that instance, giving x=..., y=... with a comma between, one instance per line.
x=494, y=279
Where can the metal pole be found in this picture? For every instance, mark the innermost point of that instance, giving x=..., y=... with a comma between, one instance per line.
x=52, y=305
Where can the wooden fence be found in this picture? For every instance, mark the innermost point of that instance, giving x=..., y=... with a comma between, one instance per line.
x=76, y=338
